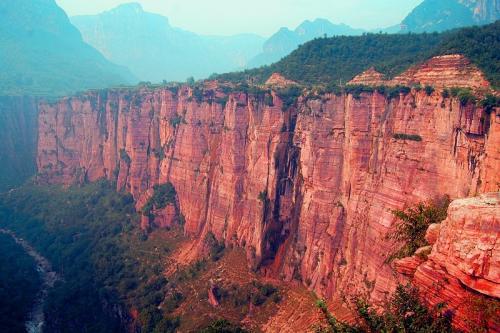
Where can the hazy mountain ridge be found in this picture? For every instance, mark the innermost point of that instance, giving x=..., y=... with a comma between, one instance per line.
x=154, y=50
x=285, y=40
x=429, y=16
x=440, y=15
x=338, y=59
x=43, y=54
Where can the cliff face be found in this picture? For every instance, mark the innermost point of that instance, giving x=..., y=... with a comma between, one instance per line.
x=463, y=268
x=484, y=11
x=308, y=191
x=18, y=134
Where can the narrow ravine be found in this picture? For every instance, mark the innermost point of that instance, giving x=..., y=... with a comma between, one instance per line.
x=48, y=277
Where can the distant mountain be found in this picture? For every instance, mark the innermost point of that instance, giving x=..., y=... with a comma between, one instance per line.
x=155, y=51
x=330, y=61
x=285, y=40
x=41, y=53
x=440, y=15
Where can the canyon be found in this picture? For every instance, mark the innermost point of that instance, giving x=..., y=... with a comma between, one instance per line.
x=306, y=186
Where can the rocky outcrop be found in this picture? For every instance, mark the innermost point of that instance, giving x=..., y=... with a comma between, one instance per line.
x=463, y=269
x=307, y=190
x=370, y=78
x=278, y=80
x=442, y=71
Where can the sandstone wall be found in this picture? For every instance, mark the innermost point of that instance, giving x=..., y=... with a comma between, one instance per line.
x=307, y=191
x=463, y=268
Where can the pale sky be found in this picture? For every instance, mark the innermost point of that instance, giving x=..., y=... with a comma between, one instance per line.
x=264, y=17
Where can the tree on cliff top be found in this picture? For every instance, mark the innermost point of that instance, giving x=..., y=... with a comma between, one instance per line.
x=413, y=223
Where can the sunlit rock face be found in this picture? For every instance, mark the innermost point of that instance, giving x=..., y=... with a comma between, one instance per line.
x=307, y=190
x=463, y=268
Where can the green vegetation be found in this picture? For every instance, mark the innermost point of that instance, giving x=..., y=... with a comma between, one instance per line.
x=429, y=90
x=403, y=312
x=216, y=248
x=19, y=285
x=464, y=95
x=222, y=101
x=175, y=121
x=390, y=92
x=125, y=157
x=334, y=326
x=198, y=94
x=484, y=312
x=241, y=296
x=490, y=102
x=403, y=136
x=91, y=236
x=152, y=320
x=393, y=92
x=331, y=60
x=412, y=224
x=163, y=195
x=480, y=44
x=222, y=326
x=337, y=60
x=263, y=196
x=289, y=96
x=268, y=100
x=357, y=90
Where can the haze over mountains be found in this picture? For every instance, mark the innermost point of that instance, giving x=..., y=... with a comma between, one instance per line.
x=42, y=53
x=285, y=40
x=441, y=15
x=124, y=36
x=155, y=51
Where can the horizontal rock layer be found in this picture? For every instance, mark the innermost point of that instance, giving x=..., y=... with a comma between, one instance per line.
x=307, y=191
x=463, y=268
x=442, y=71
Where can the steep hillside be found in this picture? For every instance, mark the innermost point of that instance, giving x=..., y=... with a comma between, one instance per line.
x=285, y=40
x=440, y=15
x=304, y=183
x=337, y=60
x=155, y=51
x=41, y=53
x=18, y=134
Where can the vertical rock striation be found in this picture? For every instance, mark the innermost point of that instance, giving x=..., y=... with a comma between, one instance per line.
x=307, y=190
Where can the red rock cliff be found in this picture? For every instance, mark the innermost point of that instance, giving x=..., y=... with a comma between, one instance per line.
x=307, y=191
x=463, y=268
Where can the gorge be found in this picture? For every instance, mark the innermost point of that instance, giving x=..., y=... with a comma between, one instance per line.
x=304, y=180
x=351, y=187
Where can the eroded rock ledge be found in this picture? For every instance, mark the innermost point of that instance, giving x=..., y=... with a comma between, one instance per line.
x=464, y=265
